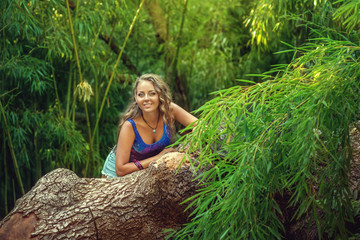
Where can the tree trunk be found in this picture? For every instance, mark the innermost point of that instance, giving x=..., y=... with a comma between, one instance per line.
x=140, y=205
x=176, y=81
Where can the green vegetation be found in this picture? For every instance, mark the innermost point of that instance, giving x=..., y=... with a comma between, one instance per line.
x=285, y=137
x=289, y=135
x=66, y=69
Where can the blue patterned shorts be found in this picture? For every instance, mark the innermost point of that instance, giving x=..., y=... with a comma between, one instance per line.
x=109, y=165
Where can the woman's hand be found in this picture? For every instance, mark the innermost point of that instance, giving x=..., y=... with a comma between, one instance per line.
x=166, y=150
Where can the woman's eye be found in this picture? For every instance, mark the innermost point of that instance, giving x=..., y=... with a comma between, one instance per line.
x=140, y=94
x=152, y=94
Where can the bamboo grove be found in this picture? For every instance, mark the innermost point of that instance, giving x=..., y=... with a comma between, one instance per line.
x=66, y=74
x=67, y=67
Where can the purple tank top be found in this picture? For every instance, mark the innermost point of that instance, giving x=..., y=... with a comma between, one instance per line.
x=140, y=150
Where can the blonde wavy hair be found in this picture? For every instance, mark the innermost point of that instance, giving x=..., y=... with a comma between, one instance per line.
x=162, y=90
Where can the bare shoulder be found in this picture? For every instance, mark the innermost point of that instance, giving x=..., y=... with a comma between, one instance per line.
x=127, y=129
x=126, y=124
x=174, y=107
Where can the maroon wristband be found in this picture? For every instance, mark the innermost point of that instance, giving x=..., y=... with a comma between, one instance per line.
x=138, y=164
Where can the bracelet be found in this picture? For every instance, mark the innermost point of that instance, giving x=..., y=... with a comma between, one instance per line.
x=138, y=164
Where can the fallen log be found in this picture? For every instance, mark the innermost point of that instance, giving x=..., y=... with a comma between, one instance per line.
x=137, y=206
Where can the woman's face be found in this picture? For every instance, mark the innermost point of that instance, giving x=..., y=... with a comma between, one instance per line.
x=146, y=96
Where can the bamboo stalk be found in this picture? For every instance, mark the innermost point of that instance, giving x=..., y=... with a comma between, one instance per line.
x=90, y=141
x=38, y=171
x=53, y=76
x=37, y=157
x=96, y=134
x=14, y=191
x=6, y=177
x=57, y=95
x=4, y=147
x=96, y=112
x=16, y=167
x=68, y=95
x=73, y=107
x=74, y=42
x=81, y=80
x=115, y=66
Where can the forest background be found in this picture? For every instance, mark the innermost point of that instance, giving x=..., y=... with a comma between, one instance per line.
x=67, y=69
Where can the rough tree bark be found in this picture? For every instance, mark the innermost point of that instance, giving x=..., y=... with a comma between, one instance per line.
x=138, y=206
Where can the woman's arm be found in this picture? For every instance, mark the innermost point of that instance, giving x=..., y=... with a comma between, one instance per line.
x=127, y=137
x=123, y=149
x=182, y=116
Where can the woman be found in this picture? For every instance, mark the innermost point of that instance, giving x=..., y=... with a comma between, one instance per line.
x=146, y=128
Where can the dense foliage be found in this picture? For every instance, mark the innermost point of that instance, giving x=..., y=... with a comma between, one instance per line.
x=66, y=69
x=286, y=138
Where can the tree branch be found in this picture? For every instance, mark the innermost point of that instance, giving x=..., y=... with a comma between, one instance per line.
x=125, y=59
x=176, y=81
x=158, y=20
x=140, y=205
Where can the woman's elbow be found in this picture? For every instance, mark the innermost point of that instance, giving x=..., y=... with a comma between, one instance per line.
x=120, y=171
